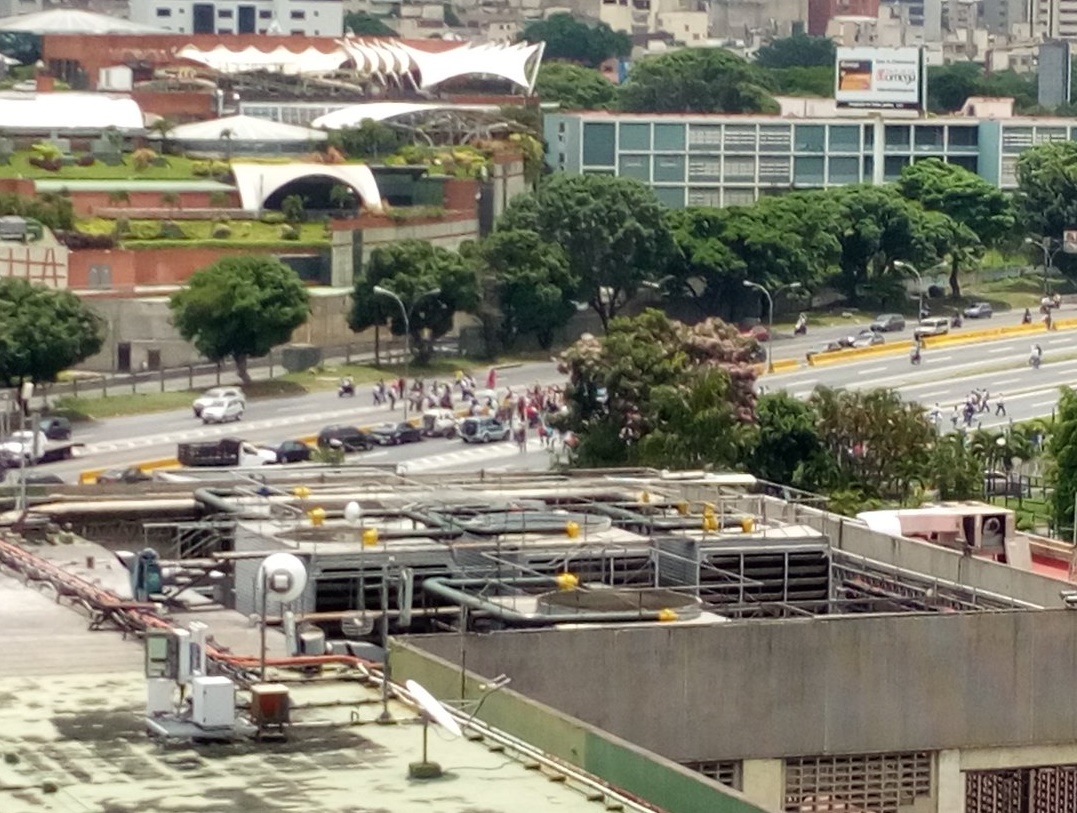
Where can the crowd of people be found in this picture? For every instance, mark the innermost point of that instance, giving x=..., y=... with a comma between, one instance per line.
x=976, y=403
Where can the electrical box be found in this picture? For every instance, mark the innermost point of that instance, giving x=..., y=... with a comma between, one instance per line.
x=213, y=702
x=162, y=654
x=270, y=704
x=159, y=694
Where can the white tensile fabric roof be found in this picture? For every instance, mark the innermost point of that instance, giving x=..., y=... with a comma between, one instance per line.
x=69, y=111
x=279, y=60
x=73, y=21
x=356, y=114
x=256, y=182
x=244, y=128
x=385, y=58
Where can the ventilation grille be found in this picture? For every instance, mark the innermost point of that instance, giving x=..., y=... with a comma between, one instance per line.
x=868, y=783
x=725, y=771
x=1051, y=789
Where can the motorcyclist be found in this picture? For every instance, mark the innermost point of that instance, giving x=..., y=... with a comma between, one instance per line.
x=1037, y=356
x=801, y=326
x=1027, y=318
x=347, y=385
x=955, y=320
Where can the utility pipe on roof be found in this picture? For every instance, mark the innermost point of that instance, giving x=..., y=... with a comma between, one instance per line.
x=452, y=590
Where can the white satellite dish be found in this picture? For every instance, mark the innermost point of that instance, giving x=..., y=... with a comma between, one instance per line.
x=282, y=576
x=431, y=710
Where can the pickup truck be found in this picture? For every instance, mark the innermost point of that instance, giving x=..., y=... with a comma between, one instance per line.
x=35, y=447
x=224, y=453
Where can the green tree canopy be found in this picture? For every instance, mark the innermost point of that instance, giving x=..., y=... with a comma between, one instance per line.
x=533, y=283
x=1047, y=189
x=43, y=332
x=411, y=269
x=817, y=81
x=966, y=197
x=696, y=80
x=568, y=38
x=240, y=307
x=574, y=87
x=797, y=51
x=950, y=86
x=788, y=448
x=1063, y=450
x=613, y=231
x=364, y=24
x=371, y=139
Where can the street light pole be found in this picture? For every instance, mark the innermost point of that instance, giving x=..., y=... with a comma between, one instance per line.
x=406, y=313
x=919, y=283
x=770, y=315
x=1050, y=247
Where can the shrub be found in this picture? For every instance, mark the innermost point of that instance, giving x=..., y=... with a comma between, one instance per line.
x=289, y=233
x=77, y=239
x=47, y=164
x=219, y=199
x=221, y=232
x=144, y=230
x=121, y=228
x=171, y=230
x=935, y=292
x=47, y=151
x=293, y=208
x=143, y=158
x=202, y=169
x=273, y=218
x=86, y=160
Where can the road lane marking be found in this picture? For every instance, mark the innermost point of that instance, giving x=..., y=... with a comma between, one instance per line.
x=1045, y=403
x=1001, y=350
x=872, y=370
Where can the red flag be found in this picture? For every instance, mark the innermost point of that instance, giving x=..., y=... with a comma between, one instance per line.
x=491, y=379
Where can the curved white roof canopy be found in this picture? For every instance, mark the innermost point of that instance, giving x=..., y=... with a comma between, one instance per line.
x=387, y=59
x=356, y=114
x=279, y=60
x=74, y=21
x=256, y=182
x=69, y=111
x=244, y=128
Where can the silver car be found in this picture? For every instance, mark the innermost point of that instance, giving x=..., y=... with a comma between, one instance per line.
x=888, y=323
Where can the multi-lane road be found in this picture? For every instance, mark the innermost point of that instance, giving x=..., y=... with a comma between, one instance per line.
x=945, y=376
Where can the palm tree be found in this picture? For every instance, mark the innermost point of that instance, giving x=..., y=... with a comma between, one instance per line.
x=162, y=127
x=227, y=134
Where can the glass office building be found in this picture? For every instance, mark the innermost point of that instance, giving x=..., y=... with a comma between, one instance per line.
x=722, y=160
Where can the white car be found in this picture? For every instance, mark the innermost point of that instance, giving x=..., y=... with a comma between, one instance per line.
x=222, y=410
x=26, y=443
x=215, y=394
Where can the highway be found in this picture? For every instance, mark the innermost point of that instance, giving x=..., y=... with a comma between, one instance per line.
x=945, y=376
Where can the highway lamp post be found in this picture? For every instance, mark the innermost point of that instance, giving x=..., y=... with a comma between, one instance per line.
x=1050, y=247
x=406, y=313
x=770, y=314
x=919, y=282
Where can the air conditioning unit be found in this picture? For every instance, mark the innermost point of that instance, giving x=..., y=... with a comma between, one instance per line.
x=987, y=533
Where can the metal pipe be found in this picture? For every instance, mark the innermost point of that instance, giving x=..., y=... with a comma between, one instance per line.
x=450, y=590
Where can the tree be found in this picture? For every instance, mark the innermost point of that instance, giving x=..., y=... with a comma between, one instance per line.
x=613, y=231
x=1063, y=450
x=621, y=386
x=950, y=86
x=567, y=38
x=371, y=139
x=293, y=207
x=696, y=80
x=533, y=283
x=963, y=195
x=574, y=86
x=818, y=81
x=43, y=332
x=342, y=196
x=788, y=448
x=412, y=269
x=240, y=307
x=797, y=51
x=364, y=24
x=956, y=470
x=1047, y=189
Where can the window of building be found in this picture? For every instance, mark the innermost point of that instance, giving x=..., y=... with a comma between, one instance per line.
x=704, y=135
x=844, y=138
x=298, y=15
x=1016, y=139
x=669, y=168
x=669, y=137
x=738, y=169
x=775, y=138
x=224, y=14
x=869, y=169
x=297, y=32
x=1008, y=173
x=164, y=12
x=739, y=197
x=808, y=171
x=635, y=136
x=809, y=138
x=962, y=137
x=224, y=30
x=843, y=170
x=869, y=136
x=1049, y=135
x=635, y=166
x=969, y=162
x=774, y=169
x=704, y=196
x=892, y=166
x=898, y=136
x=929, y=138
x=598, y=143
x=705, y=168
x=265, y=14
x=739, y=138
x=884, y=783
x=671, y=196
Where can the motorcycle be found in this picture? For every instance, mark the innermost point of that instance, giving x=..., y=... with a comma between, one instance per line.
x=914, y=358
x=1035, y=361
x=801, y=327
x=346, y=388
x=955, y=320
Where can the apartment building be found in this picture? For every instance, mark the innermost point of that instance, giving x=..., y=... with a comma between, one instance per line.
x=311, y=18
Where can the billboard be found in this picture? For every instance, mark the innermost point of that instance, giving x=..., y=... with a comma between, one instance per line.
x=882, y=78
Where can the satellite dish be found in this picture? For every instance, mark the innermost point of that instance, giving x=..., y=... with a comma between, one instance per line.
x=283, y=577
x=431, y=710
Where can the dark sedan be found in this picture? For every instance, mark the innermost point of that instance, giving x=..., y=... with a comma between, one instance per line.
x=293, y=451
x=348, y=438
x=56, y=428
x=392, y=434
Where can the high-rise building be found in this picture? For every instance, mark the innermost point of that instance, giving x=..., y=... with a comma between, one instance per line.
x=312, y=18
x=821, y=11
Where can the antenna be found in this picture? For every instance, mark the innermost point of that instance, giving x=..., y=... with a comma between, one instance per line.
x=431, y=710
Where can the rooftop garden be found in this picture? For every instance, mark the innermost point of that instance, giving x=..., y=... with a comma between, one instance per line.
x=272, y=231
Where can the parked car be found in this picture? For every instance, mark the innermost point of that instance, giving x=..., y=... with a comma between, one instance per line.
x=209, y=396
x=128, y=475
x=222, y=410
x=392, y=434
x=867, y=338
x=56, y=428
x=484, y=430
x=979, y=310
x=888, y=323
x=350, y=438
x=932, y=326
x=439, y=423
x=292, y=451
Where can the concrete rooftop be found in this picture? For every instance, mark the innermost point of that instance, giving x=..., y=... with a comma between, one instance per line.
x=73, y=739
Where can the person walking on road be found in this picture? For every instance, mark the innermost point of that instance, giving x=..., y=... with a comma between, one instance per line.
x=1000, y=405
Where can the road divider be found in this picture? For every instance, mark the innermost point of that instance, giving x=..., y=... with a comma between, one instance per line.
x=785, y=366
x=856, y=353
